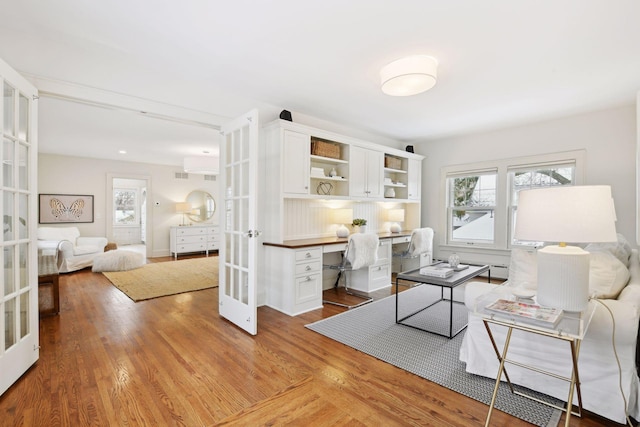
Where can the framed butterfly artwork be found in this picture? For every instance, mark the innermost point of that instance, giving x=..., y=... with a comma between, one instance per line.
x=65, y=208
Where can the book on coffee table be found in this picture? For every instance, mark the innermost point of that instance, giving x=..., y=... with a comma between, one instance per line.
x=438, y=270
x=544, y=316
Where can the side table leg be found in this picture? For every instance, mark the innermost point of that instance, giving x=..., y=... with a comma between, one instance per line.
x=499, y=376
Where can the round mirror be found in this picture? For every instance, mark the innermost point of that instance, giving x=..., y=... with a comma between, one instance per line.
x=202, y=206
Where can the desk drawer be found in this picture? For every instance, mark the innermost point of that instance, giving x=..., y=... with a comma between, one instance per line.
x=308, y=267
x=308, y=254
x=402, y=239
x=379, y=276
x=308, y=288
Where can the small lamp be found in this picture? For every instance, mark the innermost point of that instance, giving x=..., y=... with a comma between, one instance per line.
x=183, y=208
x=342, y=217
x=576, y=214
x=395, y=216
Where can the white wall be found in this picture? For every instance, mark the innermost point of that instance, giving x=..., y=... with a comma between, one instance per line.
x=76, y=175
x=609, y=138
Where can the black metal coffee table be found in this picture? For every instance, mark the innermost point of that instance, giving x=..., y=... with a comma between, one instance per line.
x=458, y=278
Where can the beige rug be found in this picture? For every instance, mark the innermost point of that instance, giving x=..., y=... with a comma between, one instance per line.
x=166, y=278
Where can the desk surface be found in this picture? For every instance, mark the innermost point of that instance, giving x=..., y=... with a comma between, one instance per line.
x=320, y=241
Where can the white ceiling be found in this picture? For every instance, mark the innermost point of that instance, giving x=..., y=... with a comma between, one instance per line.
x=502, y=63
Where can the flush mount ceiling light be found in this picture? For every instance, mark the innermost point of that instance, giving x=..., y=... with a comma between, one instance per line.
x=207, y=165
x=409, y=76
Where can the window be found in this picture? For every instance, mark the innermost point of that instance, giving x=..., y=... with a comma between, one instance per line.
x=472, y=203
x=481, y=199
x=526, y=178
x=125, y=206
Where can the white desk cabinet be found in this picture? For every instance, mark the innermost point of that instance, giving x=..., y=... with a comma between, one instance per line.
x=376, y=276
x=193, y=238
x=294, y=279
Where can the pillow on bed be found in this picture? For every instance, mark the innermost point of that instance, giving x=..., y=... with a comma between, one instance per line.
x=607, y=275
x=523, y=269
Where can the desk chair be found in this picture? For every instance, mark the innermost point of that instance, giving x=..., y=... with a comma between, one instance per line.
x=421, y=244
x=361, y=252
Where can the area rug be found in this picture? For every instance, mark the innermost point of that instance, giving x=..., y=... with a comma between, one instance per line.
x=166, y=278
x=372, y=330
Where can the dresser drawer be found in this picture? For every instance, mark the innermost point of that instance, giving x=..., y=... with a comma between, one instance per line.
x=191, y=239
x=191, y=231
x=191, y=247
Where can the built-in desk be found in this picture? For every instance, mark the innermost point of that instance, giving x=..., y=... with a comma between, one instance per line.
x=295, y=278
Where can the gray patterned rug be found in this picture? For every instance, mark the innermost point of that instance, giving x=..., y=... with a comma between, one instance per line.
x=372, y=330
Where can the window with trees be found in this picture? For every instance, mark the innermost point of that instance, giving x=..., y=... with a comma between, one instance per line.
x=482, y=198
x=125, y=206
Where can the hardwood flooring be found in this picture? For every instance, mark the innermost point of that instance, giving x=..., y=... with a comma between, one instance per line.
x=107, y=361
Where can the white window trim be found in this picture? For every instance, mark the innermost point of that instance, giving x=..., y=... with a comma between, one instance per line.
x=503, y=167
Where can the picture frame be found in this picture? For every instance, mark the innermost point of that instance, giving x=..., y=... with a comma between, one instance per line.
x=65, y=208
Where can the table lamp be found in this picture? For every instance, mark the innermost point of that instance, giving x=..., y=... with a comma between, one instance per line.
x=342, y=217
x=183, y=208
x=575, y=214
x=395, y=216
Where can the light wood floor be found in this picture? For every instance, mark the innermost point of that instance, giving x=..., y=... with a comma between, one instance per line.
x=107, y=361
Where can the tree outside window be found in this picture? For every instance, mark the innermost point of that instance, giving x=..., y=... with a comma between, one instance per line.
x=125, y=206
x=472, y=201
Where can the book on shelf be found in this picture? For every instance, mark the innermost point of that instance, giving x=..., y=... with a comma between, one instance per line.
x=534, y=313
x=438, y=270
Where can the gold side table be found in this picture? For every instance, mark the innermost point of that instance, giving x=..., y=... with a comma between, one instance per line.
x=571, y=328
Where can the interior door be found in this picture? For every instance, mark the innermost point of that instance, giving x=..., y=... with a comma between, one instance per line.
x=19, y=342
x=238, y=251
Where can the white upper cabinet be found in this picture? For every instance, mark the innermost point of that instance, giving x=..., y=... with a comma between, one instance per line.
x=295, y=163
x=414, y=178
x=304, y=162
x=367, y=169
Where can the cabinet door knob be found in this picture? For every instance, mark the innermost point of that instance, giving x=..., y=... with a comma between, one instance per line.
x=308, y=268
x=308, y=278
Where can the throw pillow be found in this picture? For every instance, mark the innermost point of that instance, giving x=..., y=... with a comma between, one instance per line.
x=607, y=275
x=523, y=269
x=620, y=249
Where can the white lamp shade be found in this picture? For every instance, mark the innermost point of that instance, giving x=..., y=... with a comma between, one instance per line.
x=576, y=214
x=207, y=165
x=396, y=215
x=183, y=207
x=342, y=216
x=409, y=76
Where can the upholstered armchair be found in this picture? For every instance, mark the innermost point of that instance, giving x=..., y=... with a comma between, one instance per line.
x=74, y=252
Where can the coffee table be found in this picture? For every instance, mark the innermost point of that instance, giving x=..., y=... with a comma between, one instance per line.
x=458, y=278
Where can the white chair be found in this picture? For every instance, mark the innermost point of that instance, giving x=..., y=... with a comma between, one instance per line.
x=361, y=252
x=420, y=246
x=75, y=252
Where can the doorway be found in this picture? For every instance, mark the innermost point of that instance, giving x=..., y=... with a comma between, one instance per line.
x=127, y=214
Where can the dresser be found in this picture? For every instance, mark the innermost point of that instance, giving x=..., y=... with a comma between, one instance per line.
x=193, y=238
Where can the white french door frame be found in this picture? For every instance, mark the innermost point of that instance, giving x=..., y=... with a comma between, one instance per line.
x=19, y=327
x=238, y=251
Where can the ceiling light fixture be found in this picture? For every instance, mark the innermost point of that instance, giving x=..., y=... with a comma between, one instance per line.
x=206, y=165
x=409, y=76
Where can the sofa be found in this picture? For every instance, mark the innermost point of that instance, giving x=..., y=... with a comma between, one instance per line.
x=74, y=251
x=614, y=279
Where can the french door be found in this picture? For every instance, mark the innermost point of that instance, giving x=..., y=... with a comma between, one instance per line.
x=19, y=343
x=238, y=252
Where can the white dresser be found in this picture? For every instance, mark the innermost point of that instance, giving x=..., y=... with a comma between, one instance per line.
x=193, y=238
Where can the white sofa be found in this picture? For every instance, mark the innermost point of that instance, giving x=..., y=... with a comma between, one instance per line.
x=597, y=365
x=74, y=252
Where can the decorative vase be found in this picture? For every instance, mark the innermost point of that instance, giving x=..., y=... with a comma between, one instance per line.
x=454, y=260
x=359, y=228
x=363, y=229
